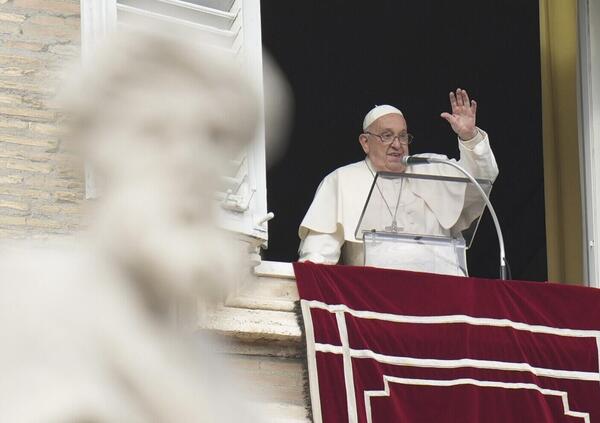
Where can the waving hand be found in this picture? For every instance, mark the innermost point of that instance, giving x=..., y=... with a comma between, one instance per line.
x=462, y=120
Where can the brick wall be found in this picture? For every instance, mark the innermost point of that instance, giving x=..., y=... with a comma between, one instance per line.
x=41, y=187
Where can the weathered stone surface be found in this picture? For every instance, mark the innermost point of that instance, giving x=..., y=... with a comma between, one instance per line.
x=24, y=153
x=8, y=98
x=62, y=209
x=265, y=346
x=27, y=166
x=75, y=186
x=73, y=21
x=7, y=220
x=15, y=205
x=13, y=124
x=273, y=379
x=27, y=112
x=266, y=293
x=70, y=173
x=9, y=232
x=275, y=269
x=44, y=223
x=11, y=154
x=11, y=17
x=66, y=196
x=253, y=324
x=35, y=101
x=24, y=192
x=13, y=59
x=27, y=86
x=41, y=31
x=15, y=71
x=45, y=129
x=65, y=50
x=52, y=182
x=47, y=20
x=281, y=412
x=10, y=28
x=52, y=6
x=34, y=142
x=23, y=45
x=11, y=179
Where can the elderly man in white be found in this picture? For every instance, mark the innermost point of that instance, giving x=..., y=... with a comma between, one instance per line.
x=327, y=230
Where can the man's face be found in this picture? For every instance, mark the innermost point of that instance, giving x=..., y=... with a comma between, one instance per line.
x=386, y=158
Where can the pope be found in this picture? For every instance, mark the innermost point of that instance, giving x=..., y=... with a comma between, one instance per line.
x=327, y=230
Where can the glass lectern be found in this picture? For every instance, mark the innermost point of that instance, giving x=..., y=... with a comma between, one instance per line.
x=420, y=222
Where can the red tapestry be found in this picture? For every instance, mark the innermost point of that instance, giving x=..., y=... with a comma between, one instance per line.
x=396, y=346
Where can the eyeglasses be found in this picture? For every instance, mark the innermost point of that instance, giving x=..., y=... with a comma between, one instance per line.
x=388, y=138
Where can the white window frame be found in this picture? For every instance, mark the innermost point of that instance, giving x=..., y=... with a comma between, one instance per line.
x=589, y=134
x=99, y=18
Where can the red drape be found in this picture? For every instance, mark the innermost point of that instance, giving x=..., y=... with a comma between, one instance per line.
x=396, y=346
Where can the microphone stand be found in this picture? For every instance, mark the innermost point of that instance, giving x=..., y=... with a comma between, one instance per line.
x=409, y=160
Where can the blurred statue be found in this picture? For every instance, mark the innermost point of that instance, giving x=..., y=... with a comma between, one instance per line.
x=85, y=332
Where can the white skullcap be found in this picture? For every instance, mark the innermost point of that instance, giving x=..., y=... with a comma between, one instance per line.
x=378, y=111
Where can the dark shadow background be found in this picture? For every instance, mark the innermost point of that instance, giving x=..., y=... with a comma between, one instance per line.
x=342, y=59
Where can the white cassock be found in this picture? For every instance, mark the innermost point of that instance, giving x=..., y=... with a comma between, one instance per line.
x=328, y=228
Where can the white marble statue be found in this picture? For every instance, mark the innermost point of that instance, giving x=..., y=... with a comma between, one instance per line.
x=84, y=323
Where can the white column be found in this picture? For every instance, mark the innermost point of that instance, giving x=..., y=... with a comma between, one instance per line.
x=589, y=134
x=98, y=19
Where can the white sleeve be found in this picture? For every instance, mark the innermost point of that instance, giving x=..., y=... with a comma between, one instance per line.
x=321, y=248
x=477, y=158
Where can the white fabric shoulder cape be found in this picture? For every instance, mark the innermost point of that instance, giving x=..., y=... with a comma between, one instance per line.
x=342, y=194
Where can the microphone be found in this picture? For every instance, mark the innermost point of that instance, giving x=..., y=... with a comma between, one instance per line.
x=408, y=160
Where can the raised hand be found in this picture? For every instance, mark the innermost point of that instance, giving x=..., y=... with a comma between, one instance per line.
x=462, y=120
